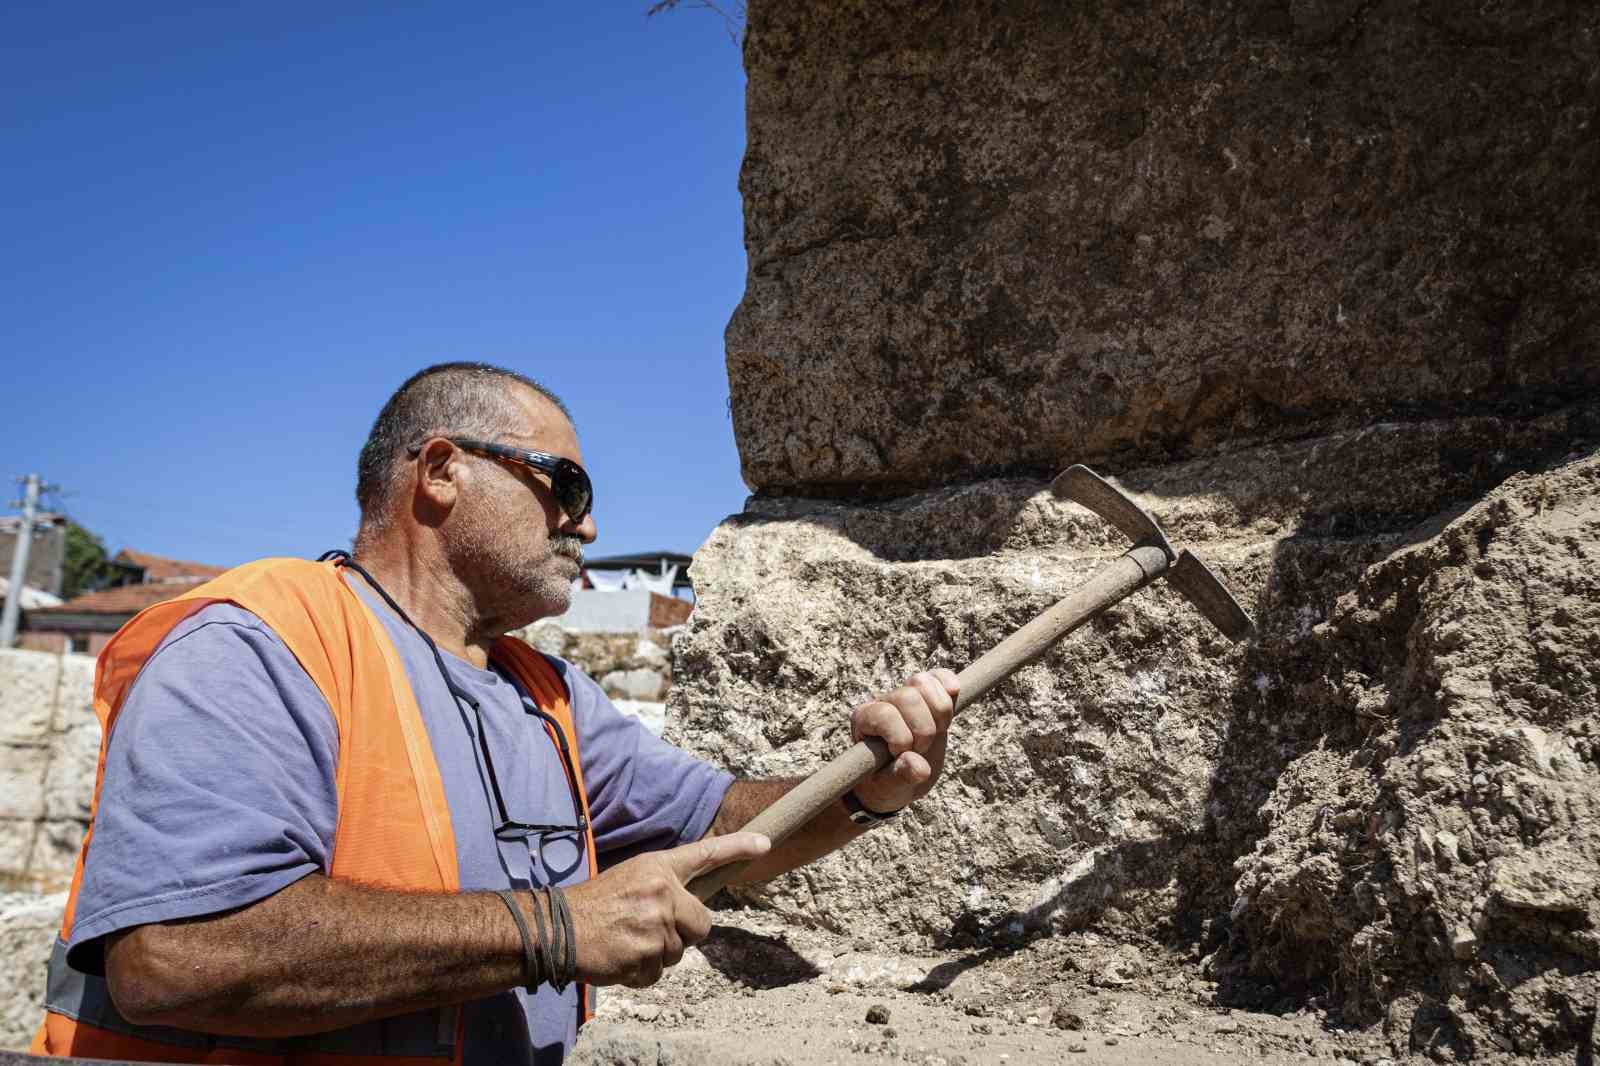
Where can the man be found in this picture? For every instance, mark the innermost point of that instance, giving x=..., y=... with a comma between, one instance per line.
x=341, y=814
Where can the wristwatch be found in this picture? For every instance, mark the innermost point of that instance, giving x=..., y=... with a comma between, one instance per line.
x=861, y=814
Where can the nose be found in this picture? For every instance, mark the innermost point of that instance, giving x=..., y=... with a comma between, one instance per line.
x=586, y=531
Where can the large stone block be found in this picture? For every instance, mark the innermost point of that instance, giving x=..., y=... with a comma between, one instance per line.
x=28, y=927
x=22, y=770
x=640, y=684
x=75, y=700
x=992, y=238
x=55, y=854
x=69, y=781
x=16, y=848
x=807, y=607
x=28, y=683
x=1318, y=281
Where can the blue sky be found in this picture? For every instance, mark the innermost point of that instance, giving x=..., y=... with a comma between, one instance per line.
x=228, y=230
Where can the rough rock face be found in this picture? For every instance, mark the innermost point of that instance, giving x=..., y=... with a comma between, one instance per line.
x=991, y=237
x=1270, y=803
x=1443, y=843
x=1317, y=282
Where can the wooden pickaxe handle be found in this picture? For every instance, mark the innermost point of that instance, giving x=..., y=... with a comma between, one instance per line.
x=1111, y=583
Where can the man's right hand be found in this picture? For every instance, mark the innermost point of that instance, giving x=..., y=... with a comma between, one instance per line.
x=634, y=920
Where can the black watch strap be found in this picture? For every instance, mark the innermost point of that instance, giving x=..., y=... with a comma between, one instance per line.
x=861, y=814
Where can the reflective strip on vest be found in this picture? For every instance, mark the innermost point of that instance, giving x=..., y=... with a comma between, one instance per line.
x=86, y=999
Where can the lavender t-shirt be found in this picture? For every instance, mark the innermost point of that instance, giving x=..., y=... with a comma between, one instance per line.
x=219, y=791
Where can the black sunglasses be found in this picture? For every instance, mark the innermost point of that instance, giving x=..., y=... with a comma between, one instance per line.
x=569, y=481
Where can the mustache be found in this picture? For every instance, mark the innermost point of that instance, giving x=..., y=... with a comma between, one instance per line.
x=571, y=547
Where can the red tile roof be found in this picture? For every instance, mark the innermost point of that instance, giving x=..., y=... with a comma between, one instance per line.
x=129, y=599
x=157, y=568
x=163, y=579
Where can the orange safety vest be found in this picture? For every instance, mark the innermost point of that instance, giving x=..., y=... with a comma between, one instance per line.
x=393, y=829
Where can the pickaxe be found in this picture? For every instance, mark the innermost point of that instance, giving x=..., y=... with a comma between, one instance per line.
x=1150, y=557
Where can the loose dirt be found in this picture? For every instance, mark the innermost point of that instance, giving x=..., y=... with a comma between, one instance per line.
x=763, y=993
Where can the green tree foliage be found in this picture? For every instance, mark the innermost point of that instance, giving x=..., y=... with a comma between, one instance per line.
x=86, y=565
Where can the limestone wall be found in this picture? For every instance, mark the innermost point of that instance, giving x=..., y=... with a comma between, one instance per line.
x=1316, y=282
x=29, y=923
x=49, y=741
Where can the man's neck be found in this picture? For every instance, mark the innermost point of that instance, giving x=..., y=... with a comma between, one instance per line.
x=429, y=593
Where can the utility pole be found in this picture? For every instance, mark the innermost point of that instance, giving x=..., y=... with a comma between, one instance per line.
x=19, y=562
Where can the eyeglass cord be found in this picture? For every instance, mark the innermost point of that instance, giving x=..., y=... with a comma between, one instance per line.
x=540, y=958
x=342, y=558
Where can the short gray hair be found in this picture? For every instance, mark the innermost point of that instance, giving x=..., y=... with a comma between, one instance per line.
x=458, y=399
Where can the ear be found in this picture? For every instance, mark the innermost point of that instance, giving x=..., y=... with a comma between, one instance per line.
x=438, y=470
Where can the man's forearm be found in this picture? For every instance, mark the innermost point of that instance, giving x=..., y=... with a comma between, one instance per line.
x=318, y=955
x=827, y=832
x=912, y=721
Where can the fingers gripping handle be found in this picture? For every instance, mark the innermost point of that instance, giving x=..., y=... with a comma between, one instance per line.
x=806, y=800
x=801, y=804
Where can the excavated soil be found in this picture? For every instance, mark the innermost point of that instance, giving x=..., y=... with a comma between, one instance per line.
x=760, y=992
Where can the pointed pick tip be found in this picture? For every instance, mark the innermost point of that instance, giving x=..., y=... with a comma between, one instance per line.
x=1066, y=482
x=1201, y=587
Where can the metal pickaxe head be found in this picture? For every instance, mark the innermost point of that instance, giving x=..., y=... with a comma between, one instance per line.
x=1184, y=572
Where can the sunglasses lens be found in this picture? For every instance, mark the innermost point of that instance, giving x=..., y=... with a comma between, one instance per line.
x=573, y=490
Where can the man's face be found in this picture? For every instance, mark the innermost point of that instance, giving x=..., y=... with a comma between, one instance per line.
x=509, y=539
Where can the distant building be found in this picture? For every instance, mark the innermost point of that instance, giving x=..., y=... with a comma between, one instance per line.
x=664, y=572
x=31, y=597
x=616, y=593
x=47, y=551
x=85, y=623
x=622, y=611
x=642, y=590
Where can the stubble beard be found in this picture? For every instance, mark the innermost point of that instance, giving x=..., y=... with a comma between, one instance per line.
x=557, y=580
x=513, y=578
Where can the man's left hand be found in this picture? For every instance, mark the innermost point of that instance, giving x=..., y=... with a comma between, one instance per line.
x=914, y=721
